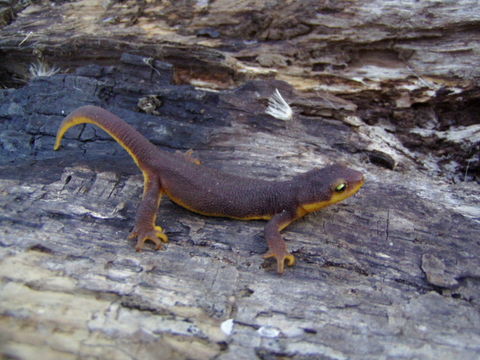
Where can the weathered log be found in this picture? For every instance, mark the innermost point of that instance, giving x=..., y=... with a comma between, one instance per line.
x=390, y=273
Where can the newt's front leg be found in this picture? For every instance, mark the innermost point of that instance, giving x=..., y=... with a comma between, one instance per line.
x=276, y=245
x=145, y=227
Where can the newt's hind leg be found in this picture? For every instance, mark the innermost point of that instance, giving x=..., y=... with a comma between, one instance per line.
x=145, y=227
x=188, y=155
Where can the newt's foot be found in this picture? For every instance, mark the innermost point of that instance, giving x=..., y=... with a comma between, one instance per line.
x=281, y=257
x=188, y=155
x=156, y=235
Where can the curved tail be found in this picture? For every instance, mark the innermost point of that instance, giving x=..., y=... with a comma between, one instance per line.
x=131, y=140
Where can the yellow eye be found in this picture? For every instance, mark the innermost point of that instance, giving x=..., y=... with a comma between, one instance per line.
x=341, y=187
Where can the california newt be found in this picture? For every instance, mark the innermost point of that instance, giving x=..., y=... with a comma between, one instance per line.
x=211, y=192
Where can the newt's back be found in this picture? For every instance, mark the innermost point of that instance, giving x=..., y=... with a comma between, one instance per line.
x=211, y=192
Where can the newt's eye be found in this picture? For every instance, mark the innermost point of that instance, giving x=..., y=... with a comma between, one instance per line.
x=341, y=187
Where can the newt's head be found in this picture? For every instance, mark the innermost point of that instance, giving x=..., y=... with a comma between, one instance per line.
x=327, y=186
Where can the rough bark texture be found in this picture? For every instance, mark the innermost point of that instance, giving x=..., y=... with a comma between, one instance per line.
x=392, y=88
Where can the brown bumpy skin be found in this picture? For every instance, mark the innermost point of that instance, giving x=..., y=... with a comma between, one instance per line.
x=210, y=192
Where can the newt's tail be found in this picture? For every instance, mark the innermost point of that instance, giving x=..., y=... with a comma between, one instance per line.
x=131, y=140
